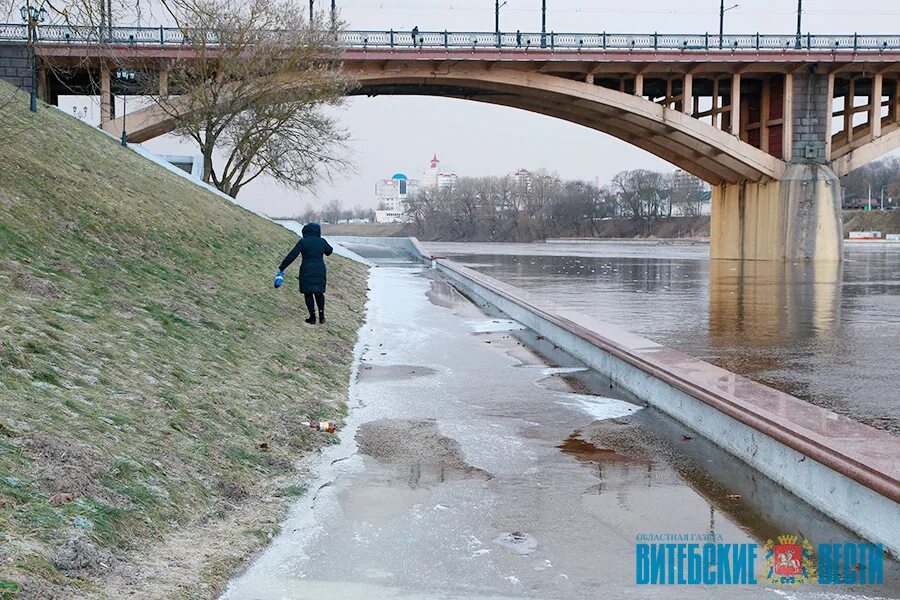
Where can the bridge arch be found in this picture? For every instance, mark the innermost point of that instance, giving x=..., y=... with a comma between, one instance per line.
x=697, y=147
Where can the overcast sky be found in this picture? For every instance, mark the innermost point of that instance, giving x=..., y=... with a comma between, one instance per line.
x=392, y=134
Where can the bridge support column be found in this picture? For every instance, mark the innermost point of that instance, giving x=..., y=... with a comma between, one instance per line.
x=164, y=82
x=106, y=107
x=797, y=218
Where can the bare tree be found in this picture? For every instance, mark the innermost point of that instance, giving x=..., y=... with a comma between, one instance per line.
x=871, y=179
x=256, y=88
x=641, y=195
x=686, y=194
x=333, y=211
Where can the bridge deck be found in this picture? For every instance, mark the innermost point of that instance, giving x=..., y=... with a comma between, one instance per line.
x=611, y=60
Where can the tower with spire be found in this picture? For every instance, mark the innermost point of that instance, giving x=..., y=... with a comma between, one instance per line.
x=433, y=178
x=430, y=175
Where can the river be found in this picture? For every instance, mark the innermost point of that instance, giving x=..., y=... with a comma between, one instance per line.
x=826, y=333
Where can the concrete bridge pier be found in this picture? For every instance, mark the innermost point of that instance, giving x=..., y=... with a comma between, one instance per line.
x=796, y=218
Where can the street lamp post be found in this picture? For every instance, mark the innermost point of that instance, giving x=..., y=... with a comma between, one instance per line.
x=126, y=76
x=33, y=16
x=722, y=11
x=543, y=23
x=799, y=15
x=312, y=8
x=497, y=7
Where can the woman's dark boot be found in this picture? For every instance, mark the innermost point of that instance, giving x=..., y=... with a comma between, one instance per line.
x=321, y=316
x=311, y=320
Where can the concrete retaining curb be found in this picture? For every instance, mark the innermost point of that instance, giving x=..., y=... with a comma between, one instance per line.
x=407, y=245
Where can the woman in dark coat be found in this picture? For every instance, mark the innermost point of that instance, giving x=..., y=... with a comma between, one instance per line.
x=312, y=269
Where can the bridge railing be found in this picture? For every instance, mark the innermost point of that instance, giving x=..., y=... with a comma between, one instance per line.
x=173, y=36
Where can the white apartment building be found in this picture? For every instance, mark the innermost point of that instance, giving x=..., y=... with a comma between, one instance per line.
x=390, y=198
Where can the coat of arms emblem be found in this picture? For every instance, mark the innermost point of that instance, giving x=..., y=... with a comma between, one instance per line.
x=789, y=561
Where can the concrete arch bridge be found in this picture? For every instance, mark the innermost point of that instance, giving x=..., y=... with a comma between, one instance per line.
x=770, y=121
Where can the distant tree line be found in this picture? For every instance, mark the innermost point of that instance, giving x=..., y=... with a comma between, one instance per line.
x=542, y=205
x=876, y=180
x=334, y=212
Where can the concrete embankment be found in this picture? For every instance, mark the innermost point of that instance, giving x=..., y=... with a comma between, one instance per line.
x=847, y=470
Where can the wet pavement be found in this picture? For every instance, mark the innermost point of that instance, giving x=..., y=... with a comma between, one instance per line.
x=477, y=461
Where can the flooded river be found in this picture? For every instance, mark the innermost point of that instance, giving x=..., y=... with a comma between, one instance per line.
x=829, y=334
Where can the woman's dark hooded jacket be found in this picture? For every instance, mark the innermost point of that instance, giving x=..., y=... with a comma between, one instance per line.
x=312, y=269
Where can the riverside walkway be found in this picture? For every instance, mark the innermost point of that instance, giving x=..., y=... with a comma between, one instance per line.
x=472, y=466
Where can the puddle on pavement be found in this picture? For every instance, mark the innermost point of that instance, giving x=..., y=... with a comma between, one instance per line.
x=441, y=293
x=588, y=452
x=410, y=458
x=373, y=372
x=415, y=452
x=644, y=460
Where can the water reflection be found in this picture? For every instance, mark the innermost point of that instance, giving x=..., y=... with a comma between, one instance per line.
x=764, y=307
x=771, y=304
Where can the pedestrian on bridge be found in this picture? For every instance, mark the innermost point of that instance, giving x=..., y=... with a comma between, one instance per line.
x=313, y=248
x=415, y=36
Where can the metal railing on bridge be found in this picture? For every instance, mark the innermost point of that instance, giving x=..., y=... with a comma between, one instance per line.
x=173, y=36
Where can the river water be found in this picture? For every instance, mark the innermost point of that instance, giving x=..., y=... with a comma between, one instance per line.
x=827, y=333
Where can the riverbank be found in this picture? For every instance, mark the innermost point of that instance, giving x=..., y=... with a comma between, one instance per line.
x=153, y=384
x=885, y=221
x=674, y=228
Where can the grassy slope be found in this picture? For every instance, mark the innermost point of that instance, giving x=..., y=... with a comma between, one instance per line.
x=144, y=357
x=876, y=220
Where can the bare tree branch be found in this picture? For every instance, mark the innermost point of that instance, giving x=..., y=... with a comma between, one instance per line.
x=257, y=88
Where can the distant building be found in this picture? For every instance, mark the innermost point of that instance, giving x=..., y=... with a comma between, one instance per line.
x=391, y=196
x=434, y=178
x=690, y=196
x=697, y=203
x=523, y=178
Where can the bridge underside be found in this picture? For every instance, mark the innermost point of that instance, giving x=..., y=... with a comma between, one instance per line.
x=689, y=143
x=705, y=160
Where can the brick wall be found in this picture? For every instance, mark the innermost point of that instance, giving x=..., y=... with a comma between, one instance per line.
x=811, y=121
x=15, y=65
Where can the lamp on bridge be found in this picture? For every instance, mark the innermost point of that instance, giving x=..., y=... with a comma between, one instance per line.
x=543, y=23
x=497, y=7
x=33, y=16
x=722, y=11
x=126, y=76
